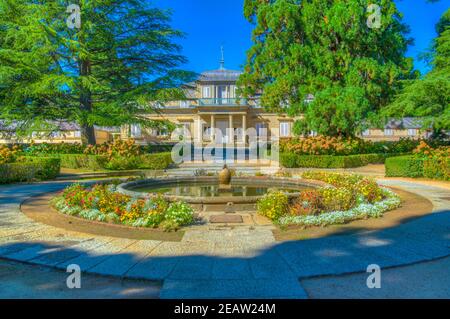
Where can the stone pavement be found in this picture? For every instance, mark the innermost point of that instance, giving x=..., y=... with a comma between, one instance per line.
x=242, y=262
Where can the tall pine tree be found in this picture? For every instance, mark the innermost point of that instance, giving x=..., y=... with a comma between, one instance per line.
x=111, y=71
x=325, y=48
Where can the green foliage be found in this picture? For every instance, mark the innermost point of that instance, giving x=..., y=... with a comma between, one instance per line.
x=157, y=161
x=120, y=163
x=115, y=67
x=31, y=169
x=180, y=213
x=404, y=166
x=81, y=161
x=437, y=168
x=273, y=205
x=429, y=96
x=290, y=160
x=326, y=145
x=325, y=48
x=45, y=149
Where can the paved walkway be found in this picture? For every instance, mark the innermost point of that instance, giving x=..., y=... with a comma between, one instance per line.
x=244, y=262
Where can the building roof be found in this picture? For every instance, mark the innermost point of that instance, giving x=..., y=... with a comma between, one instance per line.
x=405, y=123
x=220, y=75
x=62, y=125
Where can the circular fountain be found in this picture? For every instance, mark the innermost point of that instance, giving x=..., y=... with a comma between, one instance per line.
x=215, y=193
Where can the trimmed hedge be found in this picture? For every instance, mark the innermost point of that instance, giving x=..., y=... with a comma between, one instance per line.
x=404, y=166
x=32, y=169
x=435, y=169
x=411, y=166
x=290, y=160
x=77, y=161
x=155, y=161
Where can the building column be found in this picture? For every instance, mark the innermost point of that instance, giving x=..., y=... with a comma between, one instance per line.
x=231, y=128
x=199, y=129
x=244, y=128
x=213, y=129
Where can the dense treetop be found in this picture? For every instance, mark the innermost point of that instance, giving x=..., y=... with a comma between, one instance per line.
x=326, y=48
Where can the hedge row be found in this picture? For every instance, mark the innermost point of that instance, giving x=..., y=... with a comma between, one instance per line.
x=32, y=169
x=290, y=160
x=155, y=161
x=411, y=166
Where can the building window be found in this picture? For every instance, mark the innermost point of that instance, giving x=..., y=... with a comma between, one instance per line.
x=162, y=133
x=186, y=128
x=184, y=104
x=366, y=133
x=136, y=130
x=285, y=129
x=412, y=132
x=56, y=134
x=206, y=92
x=388, y=132
x=261, y=129
x=313, y=133
x=77, y=134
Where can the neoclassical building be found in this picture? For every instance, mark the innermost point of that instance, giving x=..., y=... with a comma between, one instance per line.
x=212, y=104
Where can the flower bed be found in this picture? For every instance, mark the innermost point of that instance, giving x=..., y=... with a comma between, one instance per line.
x=102, y=203
x=350, y=197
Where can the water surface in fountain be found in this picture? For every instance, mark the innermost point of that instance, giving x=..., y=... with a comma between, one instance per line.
x=211, y=189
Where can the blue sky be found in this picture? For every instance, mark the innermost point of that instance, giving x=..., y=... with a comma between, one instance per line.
x=212, y=23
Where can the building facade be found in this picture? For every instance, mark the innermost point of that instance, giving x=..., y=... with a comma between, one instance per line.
x=214, y=112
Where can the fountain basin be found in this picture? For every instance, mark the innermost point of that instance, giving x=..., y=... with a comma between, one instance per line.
x=204, y=193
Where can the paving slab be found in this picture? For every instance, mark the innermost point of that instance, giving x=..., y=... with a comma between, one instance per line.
x=241, y=288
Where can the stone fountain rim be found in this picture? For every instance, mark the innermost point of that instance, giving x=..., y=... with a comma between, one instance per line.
x=127, y=188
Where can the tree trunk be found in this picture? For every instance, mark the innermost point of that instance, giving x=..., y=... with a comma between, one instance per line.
x=88, y=134
x=87, y=131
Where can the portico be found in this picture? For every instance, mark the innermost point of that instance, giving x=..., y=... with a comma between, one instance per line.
x=207, y=124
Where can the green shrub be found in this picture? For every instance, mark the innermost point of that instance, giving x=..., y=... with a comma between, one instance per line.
x=98, y=162
x=290, y=160
x=437, y=168
x=77, y=161
x=156, y=161
x=121, y=163
x=404, y=166
x=31, y=169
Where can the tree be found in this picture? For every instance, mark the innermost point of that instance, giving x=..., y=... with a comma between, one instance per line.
x=112, y=70
x=327, y=49
x=429, y=97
